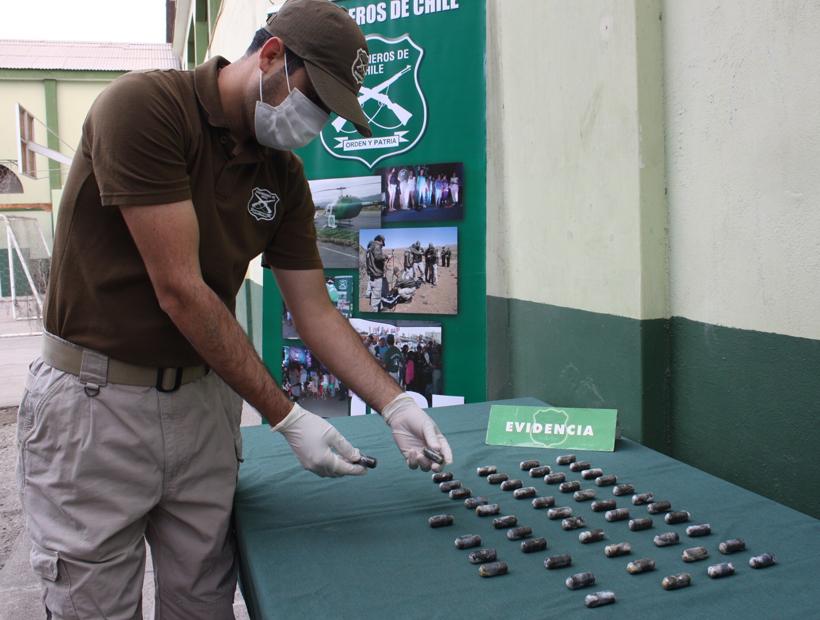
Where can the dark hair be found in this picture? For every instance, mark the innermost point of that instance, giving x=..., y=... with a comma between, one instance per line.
x=261, y=37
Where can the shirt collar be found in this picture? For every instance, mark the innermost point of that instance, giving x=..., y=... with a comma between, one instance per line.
x=207, y=90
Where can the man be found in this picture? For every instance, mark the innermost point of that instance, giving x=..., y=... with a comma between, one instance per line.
x=371, y=346
x=374, y=263
x=418, y=256
x=403, y=287
x=404, y=352
x=445, y=256
x=435, y=364
x=431, y=260
x=129, y=423
x=392, y=358
x=408, y=264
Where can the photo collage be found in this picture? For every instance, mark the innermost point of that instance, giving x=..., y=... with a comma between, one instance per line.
x=379, y=227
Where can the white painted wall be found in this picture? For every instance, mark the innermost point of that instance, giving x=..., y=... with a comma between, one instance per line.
x=239, y=20
x=742, y=82
x=571, y=221
x=237, y=23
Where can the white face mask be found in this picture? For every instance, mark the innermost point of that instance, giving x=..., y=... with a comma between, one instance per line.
x=290, y=125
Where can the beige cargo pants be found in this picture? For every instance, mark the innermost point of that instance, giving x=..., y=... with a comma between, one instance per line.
x=97, y=472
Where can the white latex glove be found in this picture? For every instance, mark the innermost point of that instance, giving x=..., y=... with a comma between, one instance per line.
x=311, y=439
x=412, y=430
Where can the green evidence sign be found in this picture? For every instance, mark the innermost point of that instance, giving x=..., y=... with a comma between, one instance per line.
x=552, y=427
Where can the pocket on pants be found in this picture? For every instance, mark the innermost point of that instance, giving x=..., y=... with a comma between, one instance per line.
x=56, y=584
x=25, y=413
x=237, y=442
x=233, y=404
x=44, y=562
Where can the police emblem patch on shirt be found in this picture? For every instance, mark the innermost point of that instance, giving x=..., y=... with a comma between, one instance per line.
x=262, y=204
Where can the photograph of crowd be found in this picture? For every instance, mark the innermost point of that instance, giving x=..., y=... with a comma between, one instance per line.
x=422, y=193
x=408, y=270
x=343, y=207
x=409, y=351
x=340, y=290
x=306, y=381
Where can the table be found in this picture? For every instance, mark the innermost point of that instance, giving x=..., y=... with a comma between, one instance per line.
x=360, y=547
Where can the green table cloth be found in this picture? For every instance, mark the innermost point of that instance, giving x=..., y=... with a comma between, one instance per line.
x=361, y=547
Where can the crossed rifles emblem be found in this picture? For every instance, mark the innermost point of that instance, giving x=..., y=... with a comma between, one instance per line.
x=376, y=93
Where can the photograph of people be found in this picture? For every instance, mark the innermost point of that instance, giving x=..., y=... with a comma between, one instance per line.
x=307, y=381
x=427, y=192
x=412, y=354
x=401, y=270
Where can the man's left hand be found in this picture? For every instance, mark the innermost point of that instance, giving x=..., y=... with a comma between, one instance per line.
x=412, y=430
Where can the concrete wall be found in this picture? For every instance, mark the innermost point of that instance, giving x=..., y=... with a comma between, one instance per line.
x=576, y=208
x=566, y=87
x=653, y=222
x=238, y=22
x=742, y=84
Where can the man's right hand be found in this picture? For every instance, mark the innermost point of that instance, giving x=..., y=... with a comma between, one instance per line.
x=313, y=440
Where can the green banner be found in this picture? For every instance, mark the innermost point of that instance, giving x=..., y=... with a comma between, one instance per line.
x=552, y=427
x=423, y=170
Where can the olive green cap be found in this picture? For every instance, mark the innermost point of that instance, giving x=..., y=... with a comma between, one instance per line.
x=334, y=50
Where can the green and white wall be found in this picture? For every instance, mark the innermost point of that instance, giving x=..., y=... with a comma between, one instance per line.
x=653, y=225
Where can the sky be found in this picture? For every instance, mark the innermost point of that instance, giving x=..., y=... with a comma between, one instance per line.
x=135, y=21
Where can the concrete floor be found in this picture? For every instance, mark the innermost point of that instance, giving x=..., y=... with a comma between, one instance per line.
x=19, y=586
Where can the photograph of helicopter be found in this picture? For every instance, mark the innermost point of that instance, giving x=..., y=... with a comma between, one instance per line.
x=343, y=207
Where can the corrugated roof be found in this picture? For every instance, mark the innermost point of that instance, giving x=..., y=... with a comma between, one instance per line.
x=71, y=55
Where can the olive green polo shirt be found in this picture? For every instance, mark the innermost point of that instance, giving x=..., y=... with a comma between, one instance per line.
x=153, y=138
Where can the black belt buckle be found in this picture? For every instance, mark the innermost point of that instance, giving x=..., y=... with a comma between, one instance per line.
x=161, y=376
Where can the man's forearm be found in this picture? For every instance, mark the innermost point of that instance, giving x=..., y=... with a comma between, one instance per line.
x=216, y=335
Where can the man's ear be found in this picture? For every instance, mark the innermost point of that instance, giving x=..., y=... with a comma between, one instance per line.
x=271, y=51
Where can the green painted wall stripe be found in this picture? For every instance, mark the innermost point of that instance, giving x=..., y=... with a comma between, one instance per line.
x=574, y=358
x=739, y=404
x=53, y=123
x=745, y=407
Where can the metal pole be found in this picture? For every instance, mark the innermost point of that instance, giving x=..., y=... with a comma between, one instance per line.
x=28, y=276
x=11, y=268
